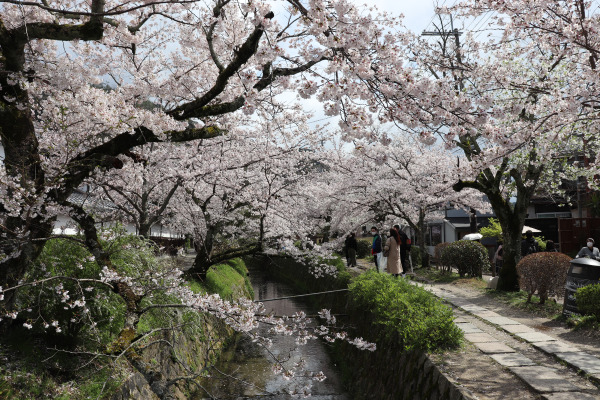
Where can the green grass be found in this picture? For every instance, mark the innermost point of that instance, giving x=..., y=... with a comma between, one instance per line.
x=518, y=300
x=224, y=280
x=437, y=276
x=582, y=322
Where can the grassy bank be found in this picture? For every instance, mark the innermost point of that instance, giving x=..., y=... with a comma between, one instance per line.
x=80, y=361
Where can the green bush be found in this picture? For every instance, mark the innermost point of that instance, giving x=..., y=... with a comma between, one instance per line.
x=65, y=257
x=544, y=273
x=417, y=318
x=493, y=230
x=469, y=257
x=415, y=255
x=588, y=300
x=364, y=248
x=437, y=253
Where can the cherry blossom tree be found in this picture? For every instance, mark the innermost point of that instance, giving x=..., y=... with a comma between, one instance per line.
x=240, y=197
x=200, y=62
x=397, y=179
x=140, y=191
x=506, y=103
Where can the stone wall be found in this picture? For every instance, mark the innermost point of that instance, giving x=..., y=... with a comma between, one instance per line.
x=195, y=349
x=389, y=373
x=190, y=348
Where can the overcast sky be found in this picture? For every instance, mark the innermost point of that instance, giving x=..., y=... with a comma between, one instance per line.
x=417, y=13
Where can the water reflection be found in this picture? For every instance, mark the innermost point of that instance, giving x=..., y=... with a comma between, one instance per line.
x=245, y=370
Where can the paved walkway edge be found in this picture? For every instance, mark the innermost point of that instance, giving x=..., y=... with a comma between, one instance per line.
x=541, y=379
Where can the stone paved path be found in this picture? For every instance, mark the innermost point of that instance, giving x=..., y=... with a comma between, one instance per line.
x=537, y=358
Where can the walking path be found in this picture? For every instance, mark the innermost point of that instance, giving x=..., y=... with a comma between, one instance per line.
x=552, y=361
x=536, y=356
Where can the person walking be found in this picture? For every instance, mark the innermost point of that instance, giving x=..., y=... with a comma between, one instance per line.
x=392, y=249
x=376, y=248
x=404, y=247
x=589, y=251
x=351, y=249
x=529, y=244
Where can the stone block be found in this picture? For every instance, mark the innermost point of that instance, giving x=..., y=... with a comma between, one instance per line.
x=520, y=328
x=469, y=328
x=494, y=347
x=479, y=338
x=533, y=337
x=543, y=379
x=580, y=360
x=487, y=313
x=569, y=396
x=500, y=320
x=472, y=308
x=458, y=302
x=512, y=360
x=555, y=346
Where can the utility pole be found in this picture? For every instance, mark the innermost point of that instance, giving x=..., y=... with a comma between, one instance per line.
x=445, y=35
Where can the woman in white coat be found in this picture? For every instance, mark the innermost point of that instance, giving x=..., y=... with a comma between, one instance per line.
x=392, y=249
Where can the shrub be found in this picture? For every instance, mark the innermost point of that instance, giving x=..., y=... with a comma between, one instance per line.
x=364, y=248
x=588, y=300
x=469, y=257
x=437, y=253
x=493, y=230
x=415, y=255
x=415, y=316
x=545, y=273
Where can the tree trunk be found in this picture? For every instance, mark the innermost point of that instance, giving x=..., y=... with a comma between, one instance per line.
x=512, y=225
x=421, y=233
x=22, y=236
x=144, y=229
x=202, y=262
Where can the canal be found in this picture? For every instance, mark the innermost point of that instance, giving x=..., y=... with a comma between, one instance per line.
x=245, y=370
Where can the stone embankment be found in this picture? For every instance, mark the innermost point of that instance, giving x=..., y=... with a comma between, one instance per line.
x=182, y=353
x=389, y=372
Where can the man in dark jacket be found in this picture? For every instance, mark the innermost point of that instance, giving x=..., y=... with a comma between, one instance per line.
x=377, y=247
x=404, y=248
x=529, y=244
x=351, y=248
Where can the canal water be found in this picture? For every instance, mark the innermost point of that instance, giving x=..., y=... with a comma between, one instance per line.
x=245, y=370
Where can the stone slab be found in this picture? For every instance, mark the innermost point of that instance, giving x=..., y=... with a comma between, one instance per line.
x=459, y=301
x=469, y=328
x=494, y=348
x=480, y=338
x=472, y=308
x=512, y=360
x=555, y=347
x=501, y=321
x=486, y=314
x=543, y=379
x=584, y=361
x=533, y=337
x=520, y=328
x=569, y=396
x=460, y=320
